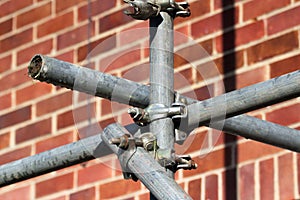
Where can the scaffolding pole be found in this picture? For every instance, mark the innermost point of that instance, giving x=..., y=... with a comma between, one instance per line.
x=247, y=99
x=52, y=160
x=93, y=147
x=64, y=74
x=57, y=158
x=140, y=163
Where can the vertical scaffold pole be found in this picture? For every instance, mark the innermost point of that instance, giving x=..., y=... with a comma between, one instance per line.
x=162, y=80
x=161, y=76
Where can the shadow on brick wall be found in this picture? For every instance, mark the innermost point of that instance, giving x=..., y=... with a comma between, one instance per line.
x=229, y=65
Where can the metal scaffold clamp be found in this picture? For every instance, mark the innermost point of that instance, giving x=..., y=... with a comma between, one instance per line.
x=145, y=9
x=153, y=112
x=129, y=146
x=177, y=111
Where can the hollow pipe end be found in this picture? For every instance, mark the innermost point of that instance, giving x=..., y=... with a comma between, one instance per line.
x=35, y=66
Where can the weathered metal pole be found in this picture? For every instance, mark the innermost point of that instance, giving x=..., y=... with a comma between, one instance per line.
x=52, y=160
x=64, y=74
x=93, y=147
x=82, y=79
x=247, y=99
x=262, y=131
x=138, y=161
x=162, y=78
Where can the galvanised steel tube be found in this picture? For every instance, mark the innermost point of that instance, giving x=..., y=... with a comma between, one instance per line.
x=61, y=157
x=162, y=79
x=48, y=161
x=263, y=131
x=247, y=99
x=144, y=167
x=64, y=74
x=89, y=81
x=93, y=147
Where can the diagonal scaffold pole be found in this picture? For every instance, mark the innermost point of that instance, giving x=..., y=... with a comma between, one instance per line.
x=93, y=147
x=65, y=74
x=140, y=163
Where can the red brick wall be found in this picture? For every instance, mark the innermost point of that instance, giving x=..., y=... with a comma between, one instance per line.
x=247, y=41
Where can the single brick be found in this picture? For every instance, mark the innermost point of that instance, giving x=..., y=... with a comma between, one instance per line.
x=61, y=22
x=285, y=116
x=283, y=21
x=120, y=59
x=84, y=194
x=106, y=107
x=6, y=26
x=54, y=185
x=15, y=117
x=6, y=101
x=211, y=187
x=67, y=57
x=94, y=173
x=266, y=179
x=5, y=63
x=16, y=40
x=23, y=193
x=54, y=142
x=96, y=8
x=113, y=20
x=34, y=130
x=246, y=182
x=9, y=7
x=97, y=47
x=62, y=5
x=285, y=176
x=75, y=36
x=252, y=150
x=256, y=8
x=24, y=56
x=194, y=189
x=122, y=187
x=16, y=154
x=243, y=35
x=33, y=15
x=14, y=79
x=31, y=92
x=285, y=66
x=70, y=118
x=215, y=23
x=273, y=47
x=4, y=140
x=54, y=103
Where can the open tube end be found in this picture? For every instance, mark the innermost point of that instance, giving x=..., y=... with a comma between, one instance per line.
x=35, y=66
